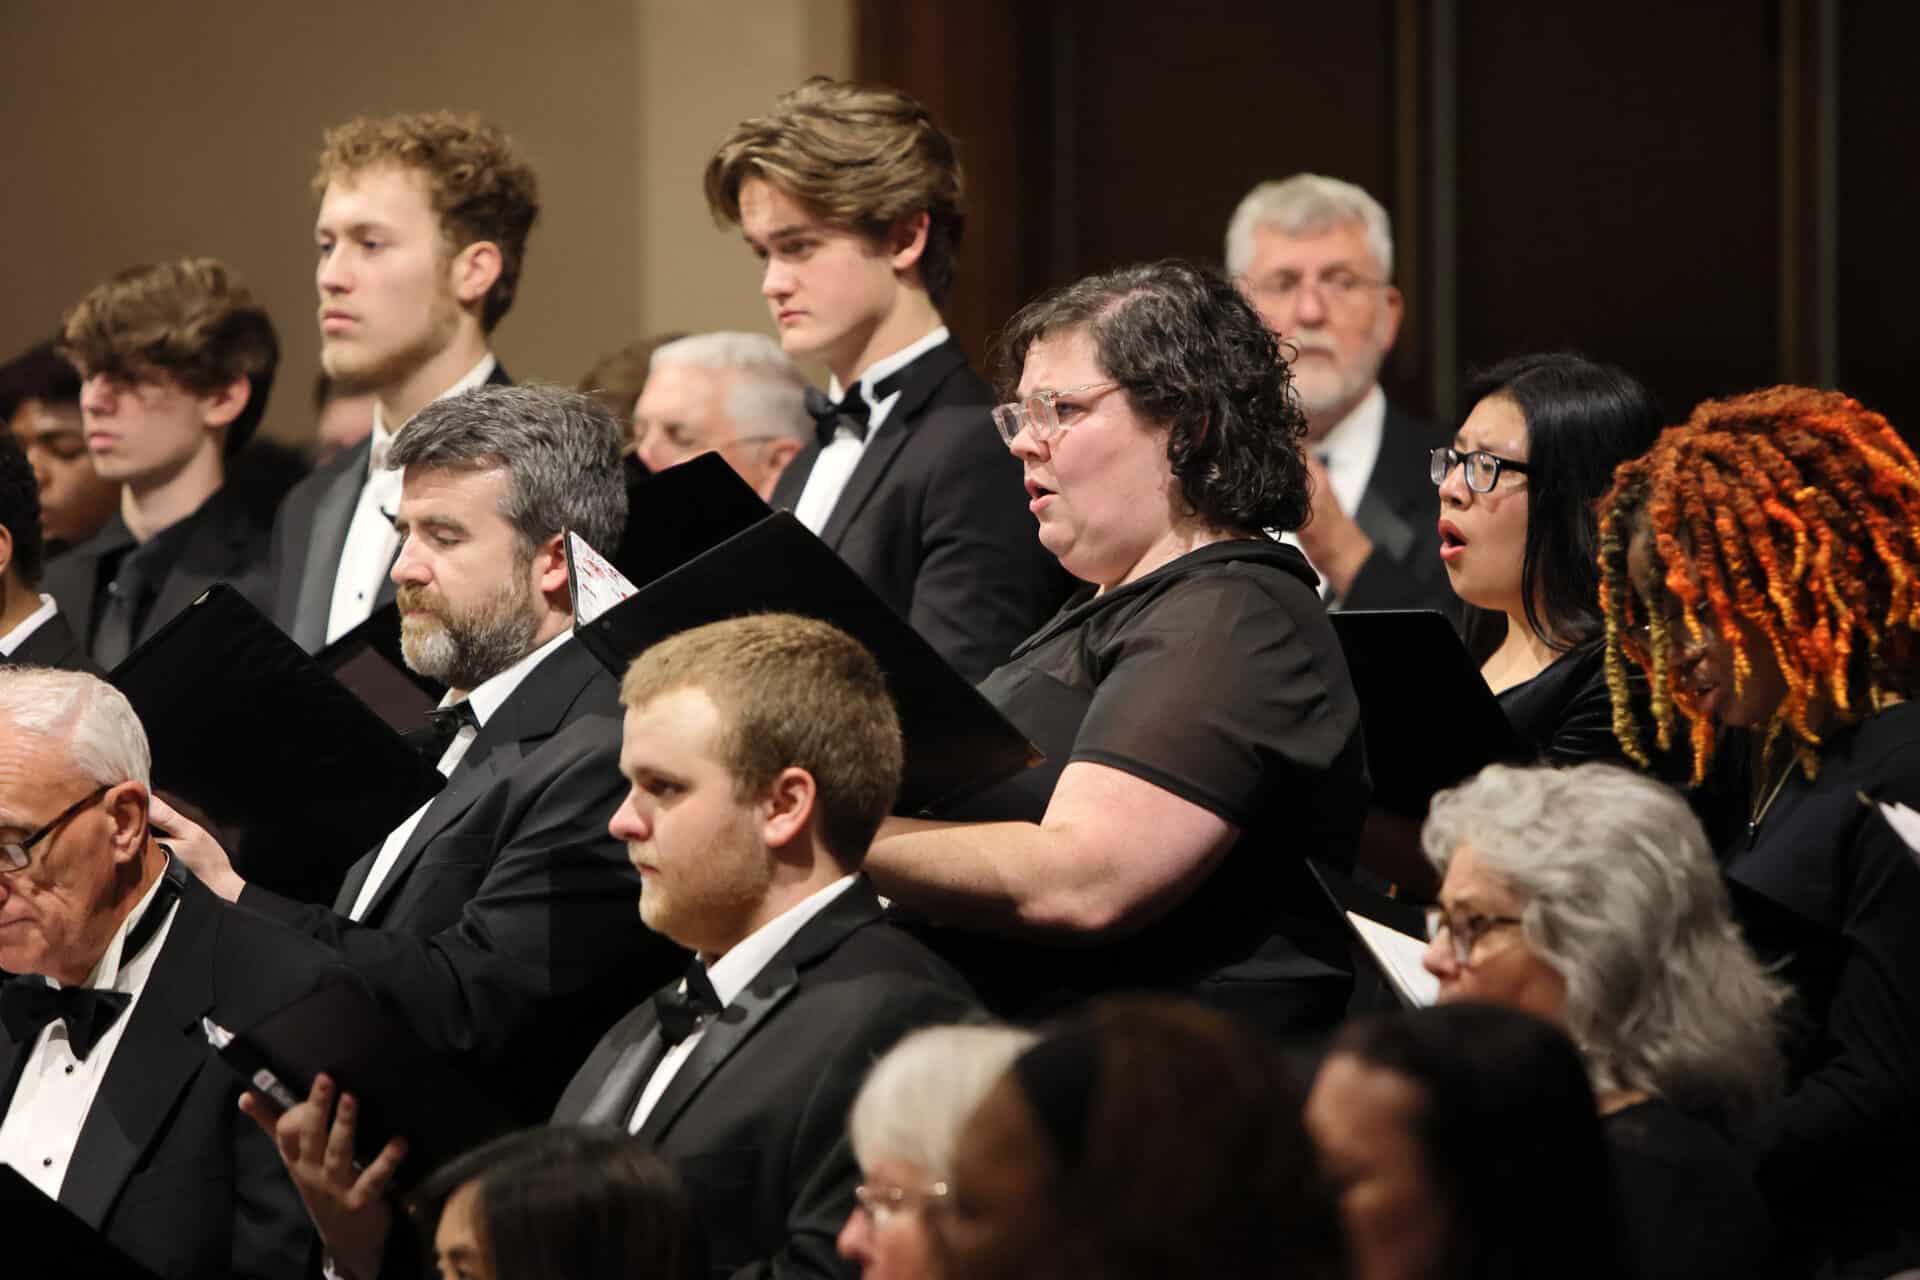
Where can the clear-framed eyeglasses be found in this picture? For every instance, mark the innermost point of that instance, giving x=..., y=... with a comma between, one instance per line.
x=882, y=1202
x=1039, y=412
x=1483, y=468
x=1465, y=932
x=16, y=854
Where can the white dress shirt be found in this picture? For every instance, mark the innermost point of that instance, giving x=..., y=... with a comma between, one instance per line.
x=836, y=462
x=731, y=974
x=367, y=555
x=28, y=625
x=56, y=1089
x=487, y=699
x=1348, y=452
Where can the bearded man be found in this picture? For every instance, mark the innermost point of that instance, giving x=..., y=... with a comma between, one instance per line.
x=498, y=919
x=1315, y=256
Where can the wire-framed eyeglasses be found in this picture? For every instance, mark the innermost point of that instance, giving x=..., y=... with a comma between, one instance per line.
x=1483, y=468
x=1464, y=933
x=882, y=1202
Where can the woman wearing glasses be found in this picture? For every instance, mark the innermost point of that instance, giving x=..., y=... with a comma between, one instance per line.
x=1519, y=542
x=1588, y=896
x=1200, y=729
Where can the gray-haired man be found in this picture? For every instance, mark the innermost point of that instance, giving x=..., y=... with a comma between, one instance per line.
x=735, y=394
x=499, y=918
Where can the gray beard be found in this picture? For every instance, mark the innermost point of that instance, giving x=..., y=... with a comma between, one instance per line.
x=466, y=652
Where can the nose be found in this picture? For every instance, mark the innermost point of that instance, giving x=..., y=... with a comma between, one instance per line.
x=776, y=281
x=330, y=273
x=627, y=823
x=1309, y=305
x=856, y=1238
x=97, y=394
x=410, y=566
x=650, y=451
x=1438, y=959
x=1453, y=489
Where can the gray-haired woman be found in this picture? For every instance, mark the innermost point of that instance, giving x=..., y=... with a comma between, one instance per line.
x=1588, y=896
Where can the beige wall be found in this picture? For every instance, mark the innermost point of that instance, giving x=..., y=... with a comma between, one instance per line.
x=143, y=131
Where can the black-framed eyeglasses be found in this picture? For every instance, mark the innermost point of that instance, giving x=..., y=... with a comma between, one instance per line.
x=15, y=855
x=881, y=1203
x=1039, y=412
x=1483, y=468
x=1465, y=934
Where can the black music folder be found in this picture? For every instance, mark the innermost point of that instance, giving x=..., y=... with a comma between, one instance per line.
x=403, y=1088
x=1389, y=935
x=368, y=661
x=47, y=1241
x=1429, y=718
x=297, y=776
x=718, y=552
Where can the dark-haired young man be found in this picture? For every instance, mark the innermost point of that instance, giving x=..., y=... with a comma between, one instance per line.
x=31, y=628
x=176, y=360
x=40, y=403
x=421, y=234
x=850, y=194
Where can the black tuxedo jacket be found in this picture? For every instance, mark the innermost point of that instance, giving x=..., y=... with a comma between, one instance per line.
x=934, y=518
x=53, y=644
x=166, y=1167
x=756, y=1118
x=310, y=532
x=227, y=544
x=508, y=931
x=1400, y=511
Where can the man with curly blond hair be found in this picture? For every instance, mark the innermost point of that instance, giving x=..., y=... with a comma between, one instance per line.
x=421, y=235
x=850, y=196
x=176, y=360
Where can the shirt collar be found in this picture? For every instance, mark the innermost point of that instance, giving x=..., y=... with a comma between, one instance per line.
x=1353, y=446
x=473, y=377
x=28, y=625
x=731, y=973
x=880, y=369
x=493, y=692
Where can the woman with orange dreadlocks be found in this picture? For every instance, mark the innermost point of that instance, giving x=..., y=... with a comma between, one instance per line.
x=1762, y=566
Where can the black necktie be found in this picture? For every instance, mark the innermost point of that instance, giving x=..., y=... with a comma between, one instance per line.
x=851, y=412
x=444, y=725
x=681, y=1008
x=120, y=611
x=27, y=1003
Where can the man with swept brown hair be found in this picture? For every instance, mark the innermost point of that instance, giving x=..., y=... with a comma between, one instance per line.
x=176, y=361
x=850, y=194
x=422, y=233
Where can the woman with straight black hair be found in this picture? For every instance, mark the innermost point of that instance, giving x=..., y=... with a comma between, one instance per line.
x=1465, y=1144
x=1520, y=541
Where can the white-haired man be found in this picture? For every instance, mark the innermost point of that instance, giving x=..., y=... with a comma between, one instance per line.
x=1315, y=256
x=735, y=394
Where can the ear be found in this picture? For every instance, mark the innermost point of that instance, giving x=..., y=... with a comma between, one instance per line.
x=220, y=407
x=788, y=807
x=6, y=548
x=550, y=566
x=473, y=271
x=126, y=805
x=1392, y=311
x=906, y=242
x=777, y=454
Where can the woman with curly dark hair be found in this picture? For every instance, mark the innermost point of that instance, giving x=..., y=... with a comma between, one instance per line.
x=1761, y=566
x=1201, y=733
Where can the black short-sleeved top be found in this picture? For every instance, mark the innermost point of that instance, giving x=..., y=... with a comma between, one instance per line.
x=1564, y=715
x=1688, y=1204
x=1218, y=678
x=1824, y=886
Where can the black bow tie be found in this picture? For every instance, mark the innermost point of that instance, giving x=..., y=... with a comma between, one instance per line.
x=851, y=412
x=444, y=725
x=27, y=1003
x=681, y=1008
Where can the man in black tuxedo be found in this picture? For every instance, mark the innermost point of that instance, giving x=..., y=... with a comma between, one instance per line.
x=408, y=299
x=1315, y=256
x=113, y=1102
x=762, y=754
x=850, y=196
x=498, y=919
x=32, y=632
x=176, y=360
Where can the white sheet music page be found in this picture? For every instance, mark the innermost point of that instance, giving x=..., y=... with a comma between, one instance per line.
x=597, y=585
x=1399, y=956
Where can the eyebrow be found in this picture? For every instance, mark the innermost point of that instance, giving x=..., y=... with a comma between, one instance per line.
x=437, y=523
x=780, y=233
x=354, y=228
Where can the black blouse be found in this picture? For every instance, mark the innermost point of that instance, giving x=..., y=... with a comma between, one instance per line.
x=1564, y=715
x=1218, y=678
x=1824, y=887
x=1688, y=1204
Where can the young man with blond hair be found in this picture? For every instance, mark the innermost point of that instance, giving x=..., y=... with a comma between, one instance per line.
x=176, y=360
x=850, y=195
x=421, y=236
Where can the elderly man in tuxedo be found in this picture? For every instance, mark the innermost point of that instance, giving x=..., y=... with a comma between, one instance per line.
x=111, y=1100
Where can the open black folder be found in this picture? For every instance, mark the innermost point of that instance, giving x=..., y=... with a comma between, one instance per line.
x=1429, y=718
x=403, y=1088
x=46, y=1241
x=1389, y=934
x=719, y=553
x=297, y=775
x=368, y=661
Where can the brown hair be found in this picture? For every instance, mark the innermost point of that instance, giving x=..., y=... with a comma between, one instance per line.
x=1793, y=511
x=794, y=693
x=617, y=378
x=479, y=182
x=191, y=320
x=858, y=156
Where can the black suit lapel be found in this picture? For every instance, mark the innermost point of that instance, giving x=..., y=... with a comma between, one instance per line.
x=633, y=1065
x=158, y=1057
x=779, y=979
x=793, y=480
x=87, y=567
x=53, y=644
x=326, y=539
x=923, y=378
x=216, y=548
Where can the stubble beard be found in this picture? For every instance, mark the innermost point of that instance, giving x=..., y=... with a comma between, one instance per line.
x=353, y=375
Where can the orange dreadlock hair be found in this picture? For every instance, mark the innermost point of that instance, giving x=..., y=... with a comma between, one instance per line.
x=1793, y=511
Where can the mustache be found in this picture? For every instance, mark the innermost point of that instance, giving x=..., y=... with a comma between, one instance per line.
x=1302, y=343
x=413, y=598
